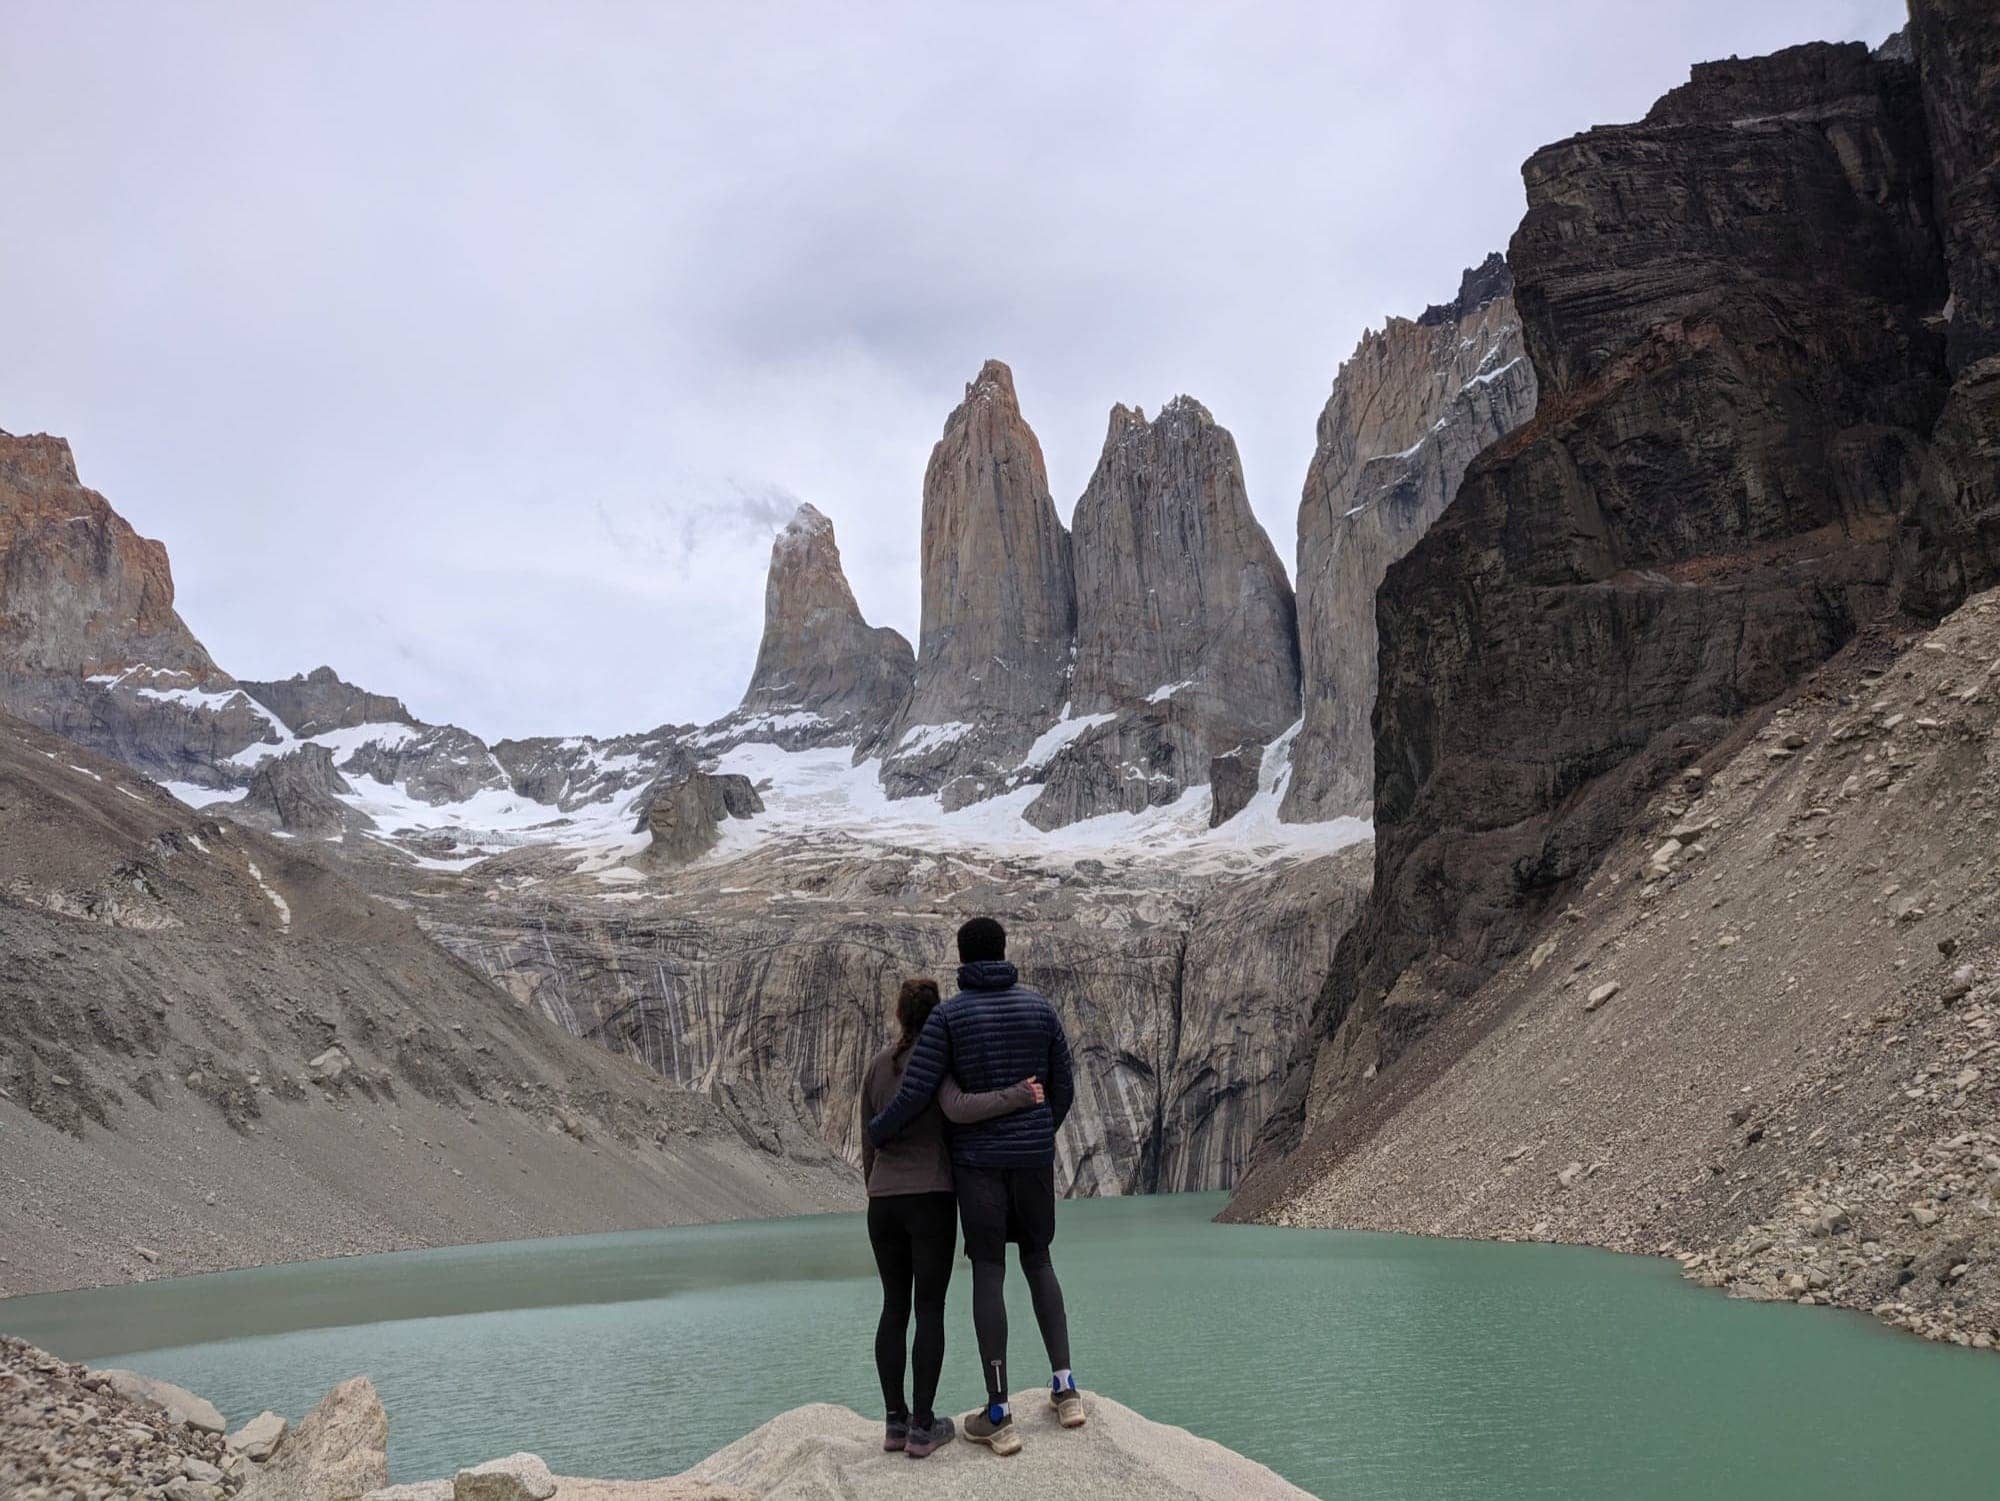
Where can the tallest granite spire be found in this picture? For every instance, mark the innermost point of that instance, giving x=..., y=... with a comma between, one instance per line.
x=999, y=603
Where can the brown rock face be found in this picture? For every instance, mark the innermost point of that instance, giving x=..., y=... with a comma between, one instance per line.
x=80, y=591
x=90, y=646
x=823, y=675
x=999, y=604
x=1410, y=409
x=1726, y=308
x=1185, y=619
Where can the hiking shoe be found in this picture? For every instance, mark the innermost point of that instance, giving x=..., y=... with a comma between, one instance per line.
x=923, y=1440
x=1001, y=1437
x=1068, y=1403
x=896, y=1434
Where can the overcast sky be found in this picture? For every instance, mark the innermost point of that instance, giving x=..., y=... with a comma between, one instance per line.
x=477, y=350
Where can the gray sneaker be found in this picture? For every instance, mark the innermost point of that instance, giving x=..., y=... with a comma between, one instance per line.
x=922, y=1440
x=1068, y=1403
x=1001, y=1437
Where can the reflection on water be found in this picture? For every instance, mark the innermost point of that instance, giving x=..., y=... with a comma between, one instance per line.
x=1356, y=1365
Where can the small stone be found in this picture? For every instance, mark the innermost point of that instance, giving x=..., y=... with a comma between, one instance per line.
x=1924, y=1217
x=1966, y=1079
x=200, y=1471
x=146, y=1253
x=1544, y=951
x=1570, y=1175
x=1960, y=983
x=1793, y=740
x=1601, y=994
x=330, y=1065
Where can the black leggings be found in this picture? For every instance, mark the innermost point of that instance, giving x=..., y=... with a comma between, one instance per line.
x=914, y=1236
x=989, y=1315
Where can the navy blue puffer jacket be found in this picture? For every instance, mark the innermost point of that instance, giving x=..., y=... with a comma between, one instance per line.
x=993, y=1033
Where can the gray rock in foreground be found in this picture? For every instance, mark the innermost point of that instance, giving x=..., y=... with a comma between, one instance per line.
x=338, y=1451
x=821, y=1452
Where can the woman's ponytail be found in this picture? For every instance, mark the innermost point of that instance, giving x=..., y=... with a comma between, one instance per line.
x=914, y=1004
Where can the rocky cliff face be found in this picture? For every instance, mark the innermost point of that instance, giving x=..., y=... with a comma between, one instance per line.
x=1950, y=541
x=312, y=703
x=684, y=816
x=1186, y=630
x=999, y=604
x=1410, y=409
x=1730, y=312
x=90, y=645
x=83, y=592
x=824, y=676
x=767, y=978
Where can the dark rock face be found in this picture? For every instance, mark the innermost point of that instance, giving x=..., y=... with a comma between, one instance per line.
x=1410, y=409
x=824, y=676
x=296, y=792
x=1726, y=306
x=312, y=703
x=684, y=814
x=1950, y=544
x=999, y=604
x=1232, y=782
x=1957, y=45
x=1181, y=602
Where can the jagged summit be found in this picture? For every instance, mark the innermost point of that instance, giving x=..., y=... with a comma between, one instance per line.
x=1186, y=640
x=311, y=703
x=823, y=674
x=999, y=603
x=1481, y=284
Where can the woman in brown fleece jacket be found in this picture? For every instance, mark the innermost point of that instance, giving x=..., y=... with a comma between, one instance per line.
x=913, y=1221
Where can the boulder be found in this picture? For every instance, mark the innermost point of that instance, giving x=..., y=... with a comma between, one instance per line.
x=338, y=1452
x=518, y=1477
x=182, y=1405
x=1232, y=782
x=257, y=1439
x=685, y=814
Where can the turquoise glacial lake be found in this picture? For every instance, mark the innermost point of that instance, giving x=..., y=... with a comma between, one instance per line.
x=1364, y=1366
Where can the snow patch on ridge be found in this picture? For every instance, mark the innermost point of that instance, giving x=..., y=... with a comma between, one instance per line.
x=1059, y=734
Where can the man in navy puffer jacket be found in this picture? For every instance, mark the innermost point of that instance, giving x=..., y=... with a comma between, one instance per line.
x=993, y=1033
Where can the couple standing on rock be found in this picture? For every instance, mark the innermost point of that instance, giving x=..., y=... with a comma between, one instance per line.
x=961, y=1115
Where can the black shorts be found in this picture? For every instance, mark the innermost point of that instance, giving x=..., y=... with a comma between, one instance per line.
x=999, y=1204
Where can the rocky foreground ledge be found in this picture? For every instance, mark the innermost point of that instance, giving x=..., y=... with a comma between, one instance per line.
x=70, y=1433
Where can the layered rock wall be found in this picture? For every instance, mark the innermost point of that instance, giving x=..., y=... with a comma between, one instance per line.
x=769, y=978
x=1730, y=309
